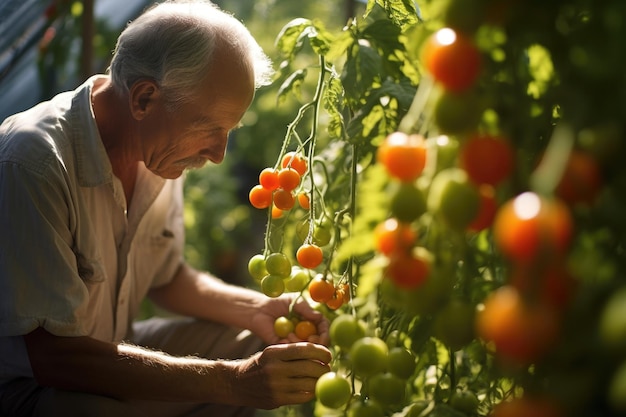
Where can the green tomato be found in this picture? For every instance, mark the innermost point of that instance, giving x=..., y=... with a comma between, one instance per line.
x=283, y=326
x=612, y=324
x=272, y=286
x=369, y=408
x=332, y=390
x=345, y=329
x=278, y=264
x=368, y=356
x=457, y=113
x=465, y=401
x=408, y=202
x=454, y=325
x=387, y=388
x=298, y=280
x=256, y=267
x=454, y=197
x=401, y=362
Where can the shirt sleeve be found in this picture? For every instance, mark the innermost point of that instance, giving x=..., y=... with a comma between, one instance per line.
x=40, y=285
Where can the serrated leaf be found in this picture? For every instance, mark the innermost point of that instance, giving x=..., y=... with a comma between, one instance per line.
x=291, y=84
x=289, y=40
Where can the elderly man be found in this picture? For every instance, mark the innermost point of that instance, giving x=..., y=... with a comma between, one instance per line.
x=91, y=223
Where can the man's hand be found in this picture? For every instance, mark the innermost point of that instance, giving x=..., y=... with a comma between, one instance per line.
x=263, y=321
x=281, y=374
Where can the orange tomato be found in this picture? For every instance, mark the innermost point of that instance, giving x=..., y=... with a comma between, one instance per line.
x=529, y=227
x=521, y=331
x=260, y=197
x=392, y=236
x=404, y=156
x=284, y=199
x=268, y=178
x=288, y=179
x=452, y=59
x=309, y=255
x=295, y=161
x=321, y=289
x=304, y=329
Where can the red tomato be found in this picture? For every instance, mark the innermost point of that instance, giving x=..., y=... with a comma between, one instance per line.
x=582, y=179
x=526, y=407
x=452, y=59
x=487, y=159
x=529, y=227
x=486, y=210
x=407, y=270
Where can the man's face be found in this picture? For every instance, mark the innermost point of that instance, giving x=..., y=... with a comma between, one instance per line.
x=197, y=132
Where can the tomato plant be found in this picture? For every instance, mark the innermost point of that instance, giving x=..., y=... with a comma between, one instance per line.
x=464, y=200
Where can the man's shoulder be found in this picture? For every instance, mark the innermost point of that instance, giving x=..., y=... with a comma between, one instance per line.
x=36, y=137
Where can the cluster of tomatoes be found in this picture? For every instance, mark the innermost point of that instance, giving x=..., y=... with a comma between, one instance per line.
x=278, y=190
x=380, y=369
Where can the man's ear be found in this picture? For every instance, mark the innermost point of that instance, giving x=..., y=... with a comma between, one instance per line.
x=142, y=97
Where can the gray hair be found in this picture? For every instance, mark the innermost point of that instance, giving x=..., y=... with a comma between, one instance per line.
x=173, y=44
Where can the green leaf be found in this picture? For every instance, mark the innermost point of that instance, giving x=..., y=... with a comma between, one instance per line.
x=291, y=84
x=289, y=40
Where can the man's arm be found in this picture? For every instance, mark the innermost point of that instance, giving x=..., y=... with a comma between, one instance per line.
x=279, y=375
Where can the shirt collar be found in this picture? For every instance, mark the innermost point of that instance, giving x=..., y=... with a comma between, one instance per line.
x=92, y=161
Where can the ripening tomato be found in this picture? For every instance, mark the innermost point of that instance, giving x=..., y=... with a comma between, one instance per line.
x=530, y=226
x=522, y=331
x=582, y=179
x=486, y=210
x=452, y=59
x=487, y=159
x=303, y=200
x=391, y=237
x=288, y=179
x=552, y=283
x=403, y=155
x=260, y=197
x=528, y=406
x=295, y=161
x=305, y=329
x=309, y=255
x=268, y=178
x=321, y=289
x=283, y=326
x=406, y=270
x=284, y=199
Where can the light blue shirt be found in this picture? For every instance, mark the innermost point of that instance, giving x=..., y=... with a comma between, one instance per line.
x=72, y=259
